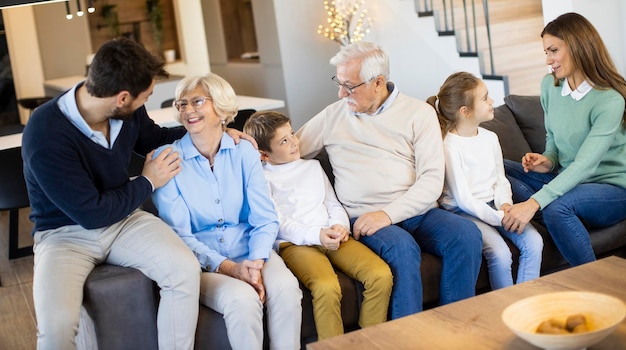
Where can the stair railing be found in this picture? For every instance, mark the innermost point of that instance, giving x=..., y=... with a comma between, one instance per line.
x=467, y=42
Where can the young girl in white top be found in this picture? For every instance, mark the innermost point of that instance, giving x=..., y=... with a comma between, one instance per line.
x=475, y=184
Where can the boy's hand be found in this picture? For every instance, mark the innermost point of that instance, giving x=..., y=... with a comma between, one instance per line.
x=330, y=239
x=343, y=231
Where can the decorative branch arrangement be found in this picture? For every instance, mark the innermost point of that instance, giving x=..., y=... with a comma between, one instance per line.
x=347, y=21
x=155, y=16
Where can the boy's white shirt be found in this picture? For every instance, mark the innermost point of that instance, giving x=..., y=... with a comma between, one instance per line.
x=305, y=201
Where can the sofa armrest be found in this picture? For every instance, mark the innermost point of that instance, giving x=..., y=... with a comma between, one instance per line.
x=111, y=293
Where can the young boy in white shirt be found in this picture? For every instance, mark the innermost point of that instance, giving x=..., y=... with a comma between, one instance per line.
x=314, y=230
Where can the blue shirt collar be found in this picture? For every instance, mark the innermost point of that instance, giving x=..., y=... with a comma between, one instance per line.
x=190, y=151
x=388, y=102
x=67, y=104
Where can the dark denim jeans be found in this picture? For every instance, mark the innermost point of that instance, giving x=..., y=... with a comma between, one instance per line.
x=588, y=205
x=447, y=235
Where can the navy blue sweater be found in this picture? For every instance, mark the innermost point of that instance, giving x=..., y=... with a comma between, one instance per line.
x=72, y=180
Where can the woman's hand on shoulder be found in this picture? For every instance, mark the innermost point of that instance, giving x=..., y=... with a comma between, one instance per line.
x=536, y=162
x=238, y=135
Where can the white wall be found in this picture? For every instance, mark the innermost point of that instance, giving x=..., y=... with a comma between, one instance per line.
x=294, y=58
x=607, y=16
x=67, y=57
x=294, y=64
x=19, y=23
x=191, y=36
x=262, y=79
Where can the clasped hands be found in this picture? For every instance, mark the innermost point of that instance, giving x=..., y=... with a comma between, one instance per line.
x=517, y=216
x=248, y=271
x=332, y=237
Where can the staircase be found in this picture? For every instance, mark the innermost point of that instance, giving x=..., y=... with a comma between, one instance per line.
x=503, y=34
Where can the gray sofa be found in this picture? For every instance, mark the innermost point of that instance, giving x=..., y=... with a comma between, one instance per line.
x=122, y=302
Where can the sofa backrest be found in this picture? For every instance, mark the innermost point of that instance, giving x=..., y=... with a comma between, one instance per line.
x=519, y=126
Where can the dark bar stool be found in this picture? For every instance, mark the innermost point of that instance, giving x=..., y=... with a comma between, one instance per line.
x=240, y=118
x=13, y=197
x=31, y=103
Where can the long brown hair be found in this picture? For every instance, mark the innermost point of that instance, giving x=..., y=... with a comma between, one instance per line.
x=457, y=91
x=588, y=52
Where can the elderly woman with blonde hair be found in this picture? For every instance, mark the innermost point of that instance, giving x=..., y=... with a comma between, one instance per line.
x=219, y=205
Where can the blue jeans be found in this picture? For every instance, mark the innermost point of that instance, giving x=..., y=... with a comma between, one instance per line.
x=499, y=257
x=567, y=218
x=453, y=238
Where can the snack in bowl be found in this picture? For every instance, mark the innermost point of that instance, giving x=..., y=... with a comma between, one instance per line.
x=572, y=324
x=602, y=314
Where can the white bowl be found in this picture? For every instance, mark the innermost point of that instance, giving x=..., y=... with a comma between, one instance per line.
x=603, y=312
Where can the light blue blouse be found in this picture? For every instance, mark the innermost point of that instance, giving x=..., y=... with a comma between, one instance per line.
x=222, y=214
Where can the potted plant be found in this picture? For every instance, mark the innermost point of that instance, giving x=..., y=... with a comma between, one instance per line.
x=155, y=16
x=109, y=14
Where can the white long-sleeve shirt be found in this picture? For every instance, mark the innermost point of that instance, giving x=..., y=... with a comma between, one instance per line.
x=305, y=201
x=475, y=176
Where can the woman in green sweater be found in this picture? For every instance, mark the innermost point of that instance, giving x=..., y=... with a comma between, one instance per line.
x=579, y=181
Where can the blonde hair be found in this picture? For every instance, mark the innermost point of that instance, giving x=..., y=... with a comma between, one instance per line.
x=457, y=91
x=219, y=90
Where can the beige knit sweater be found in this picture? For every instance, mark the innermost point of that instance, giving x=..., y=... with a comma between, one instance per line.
x=392, y=161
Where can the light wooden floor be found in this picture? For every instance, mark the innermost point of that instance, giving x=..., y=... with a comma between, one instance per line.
x=17, y=315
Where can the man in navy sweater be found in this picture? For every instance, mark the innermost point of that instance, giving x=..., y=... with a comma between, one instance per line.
x=76, y=150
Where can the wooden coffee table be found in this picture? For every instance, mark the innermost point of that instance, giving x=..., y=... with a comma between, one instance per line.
x=475, y=323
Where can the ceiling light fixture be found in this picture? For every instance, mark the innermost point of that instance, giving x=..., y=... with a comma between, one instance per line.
x=67, y=10
x=80, y=11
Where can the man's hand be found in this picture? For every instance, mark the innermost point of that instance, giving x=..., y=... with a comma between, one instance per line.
x=238, y=135
x=536, y=162
x=519, y=215
x=161, y=169
x=369, y=223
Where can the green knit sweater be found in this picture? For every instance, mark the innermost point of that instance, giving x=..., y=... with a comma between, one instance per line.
x=586, y=139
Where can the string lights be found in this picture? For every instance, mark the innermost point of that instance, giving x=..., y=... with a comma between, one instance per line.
x=347, y=21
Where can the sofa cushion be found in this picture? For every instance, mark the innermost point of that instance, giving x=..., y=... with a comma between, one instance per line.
x=528, y=113
x=511, y=138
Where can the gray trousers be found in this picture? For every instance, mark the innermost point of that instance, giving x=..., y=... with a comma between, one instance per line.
x=65, y=256
x=243, y=312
